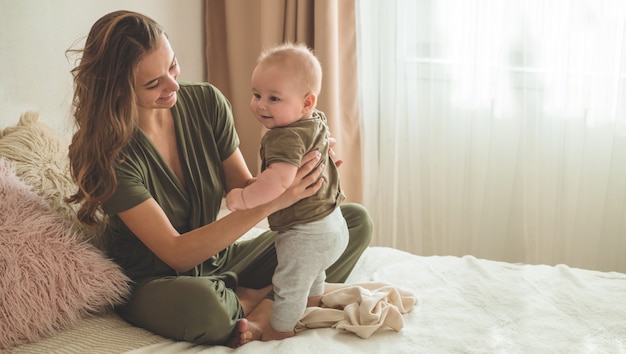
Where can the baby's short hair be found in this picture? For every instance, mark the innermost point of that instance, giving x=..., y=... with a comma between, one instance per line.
x=299, y=58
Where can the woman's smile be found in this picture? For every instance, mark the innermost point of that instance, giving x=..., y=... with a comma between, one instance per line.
x=167, y=98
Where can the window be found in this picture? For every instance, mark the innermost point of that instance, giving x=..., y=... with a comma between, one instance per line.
x=495, y=127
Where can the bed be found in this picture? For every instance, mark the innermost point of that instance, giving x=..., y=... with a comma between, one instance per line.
x=464, y=304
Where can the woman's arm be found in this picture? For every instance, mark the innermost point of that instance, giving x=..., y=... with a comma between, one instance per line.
x=182, y=252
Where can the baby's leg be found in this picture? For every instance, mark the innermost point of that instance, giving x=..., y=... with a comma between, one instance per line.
x=317, y=290
x=298, y=254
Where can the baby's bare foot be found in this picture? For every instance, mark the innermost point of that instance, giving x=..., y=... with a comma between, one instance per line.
x=314, y=301
x=272, y=334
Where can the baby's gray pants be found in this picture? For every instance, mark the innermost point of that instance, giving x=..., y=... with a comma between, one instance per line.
x=304, y=252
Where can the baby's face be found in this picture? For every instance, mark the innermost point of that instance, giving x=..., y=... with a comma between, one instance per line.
x=277, y=100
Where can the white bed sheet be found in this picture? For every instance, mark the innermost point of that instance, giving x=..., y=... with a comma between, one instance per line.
x=466, y=305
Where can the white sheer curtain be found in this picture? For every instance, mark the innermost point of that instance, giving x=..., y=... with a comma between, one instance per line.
x=496, y=128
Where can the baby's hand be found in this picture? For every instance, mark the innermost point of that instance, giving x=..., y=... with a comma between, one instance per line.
x=331, y=151
x=234, y=200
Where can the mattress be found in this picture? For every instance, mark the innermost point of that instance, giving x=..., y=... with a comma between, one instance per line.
x=465, y=305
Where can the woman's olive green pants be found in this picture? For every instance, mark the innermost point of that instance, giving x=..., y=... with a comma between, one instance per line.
x=205, y=309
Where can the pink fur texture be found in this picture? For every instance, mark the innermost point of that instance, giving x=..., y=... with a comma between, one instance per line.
x=48, y=277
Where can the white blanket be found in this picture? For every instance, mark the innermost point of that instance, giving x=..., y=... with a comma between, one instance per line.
x=466, y=305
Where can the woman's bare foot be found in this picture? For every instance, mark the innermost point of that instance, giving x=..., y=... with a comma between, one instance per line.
x=240, y=335
x=271, y=334
x=250, y=298
x=252, y=327
x=244, y=332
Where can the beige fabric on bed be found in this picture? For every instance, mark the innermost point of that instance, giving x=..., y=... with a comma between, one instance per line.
x=360, y=308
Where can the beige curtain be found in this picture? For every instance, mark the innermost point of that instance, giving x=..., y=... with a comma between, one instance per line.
x=237, y=31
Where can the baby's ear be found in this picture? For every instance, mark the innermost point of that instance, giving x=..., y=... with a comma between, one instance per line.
x=310, y=99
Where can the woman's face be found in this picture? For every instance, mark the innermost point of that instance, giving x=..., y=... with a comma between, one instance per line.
x=155, y=77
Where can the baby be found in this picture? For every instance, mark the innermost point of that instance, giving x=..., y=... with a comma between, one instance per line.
x=312, y=233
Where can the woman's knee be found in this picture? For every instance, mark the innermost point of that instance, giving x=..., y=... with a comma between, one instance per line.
x=193, y=309
x=360, y=230
x=211, y=320
x=360, y=224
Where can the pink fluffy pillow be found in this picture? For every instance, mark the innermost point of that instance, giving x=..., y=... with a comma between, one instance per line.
x=50, y=278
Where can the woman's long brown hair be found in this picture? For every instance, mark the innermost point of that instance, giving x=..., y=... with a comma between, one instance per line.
x=105, y=106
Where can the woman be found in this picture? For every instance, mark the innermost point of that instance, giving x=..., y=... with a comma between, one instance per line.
x=154, y=157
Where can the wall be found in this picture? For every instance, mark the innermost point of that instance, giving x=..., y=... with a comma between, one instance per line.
x=34, y=35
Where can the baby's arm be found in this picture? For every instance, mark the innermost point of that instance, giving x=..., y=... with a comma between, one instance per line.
x=269, y=184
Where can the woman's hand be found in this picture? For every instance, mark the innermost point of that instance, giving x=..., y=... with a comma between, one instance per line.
x=305, y=184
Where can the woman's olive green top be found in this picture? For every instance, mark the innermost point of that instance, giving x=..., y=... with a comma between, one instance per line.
x=206, y=136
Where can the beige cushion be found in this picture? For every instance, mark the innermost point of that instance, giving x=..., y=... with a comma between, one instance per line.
x=40, y=160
